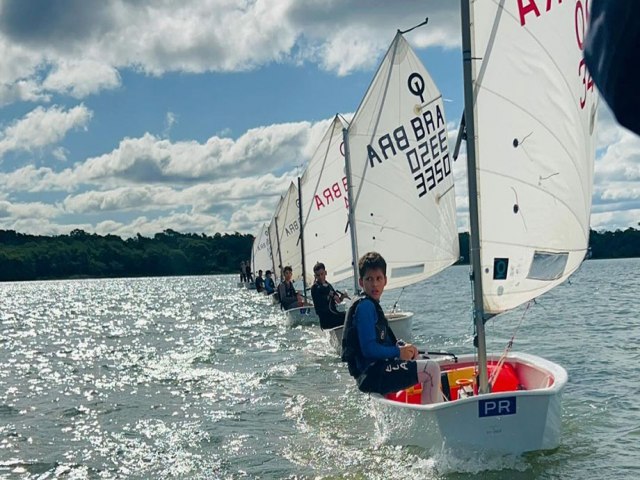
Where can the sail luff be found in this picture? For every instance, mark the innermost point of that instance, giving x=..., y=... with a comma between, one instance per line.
x=273, y=241
x=474, y=243
x=280, y=266
x=352, y=221
x=301, y=237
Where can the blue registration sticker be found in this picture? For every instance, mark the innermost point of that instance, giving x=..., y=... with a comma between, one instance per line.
x=499, y=406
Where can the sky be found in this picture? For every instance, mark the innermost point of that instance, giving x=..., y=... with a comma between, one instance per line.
x=131, y=117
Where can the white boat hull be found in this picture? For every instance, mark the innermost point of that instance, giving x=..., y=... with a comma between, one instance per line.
x=504, y=422
x=400, y=322
x=304, y=316
x=334, y=336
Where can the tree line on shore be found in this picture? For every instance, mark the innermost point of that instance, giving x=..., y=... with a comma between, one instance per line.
x=84, y=255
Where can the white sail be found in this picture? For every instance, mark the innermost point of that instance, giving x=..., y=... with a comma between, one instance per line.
x=273, y=241
x=288, y=228
x=325, y=208
x=401, y=171
x=534, y=121
x=261, y=251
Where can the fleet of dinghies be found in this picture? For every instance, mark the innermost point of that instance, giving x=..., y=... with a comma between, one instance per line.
x=384, y=182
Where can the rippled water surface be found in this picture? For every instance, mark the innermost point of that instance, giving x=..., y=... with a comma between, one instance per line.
x=191, y=377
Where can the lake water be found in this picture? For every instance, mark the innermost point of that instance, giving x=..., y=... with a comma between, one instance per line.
x=191, y=377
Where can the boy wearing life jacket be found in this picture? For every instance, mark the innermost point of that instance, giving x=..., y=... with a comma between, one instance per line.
x=269, y=286
x=259, y=282
x=375, y=358
x=325, y=298
x=289, y=297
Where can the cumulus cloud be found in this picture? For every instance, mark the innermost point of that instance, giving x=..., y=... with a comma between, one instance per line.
x=80, y=78
x=616, y=196
x=42, y=127
x=35, y=210
x=22, y=91
x=197, y=36
x=149, y=159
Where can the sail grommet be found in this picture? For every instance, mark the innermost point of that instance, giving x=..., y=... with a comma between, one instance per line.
x=516, y=208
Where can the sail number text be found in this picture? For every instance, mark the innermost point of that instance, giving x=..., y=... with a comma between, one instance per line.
x=292, y=228
x=425, y=148
x=332, y=194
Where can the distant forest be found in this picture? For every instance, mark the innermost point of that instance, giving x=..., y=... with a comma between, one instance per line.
x=85, y=255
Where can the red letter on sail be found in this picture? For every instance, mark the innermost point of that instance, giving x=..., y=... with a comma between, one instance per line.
x=531, y=7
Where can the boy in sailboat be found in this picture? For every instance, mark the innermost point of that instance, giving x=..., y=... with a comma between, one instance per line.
x=269, y=286
x=259, y=282
x=376, y=359
x=289, y=297
x=325, y=298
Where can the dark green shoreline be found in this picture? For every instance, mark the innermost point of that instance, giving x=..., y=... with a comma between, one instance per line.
x=85, y=255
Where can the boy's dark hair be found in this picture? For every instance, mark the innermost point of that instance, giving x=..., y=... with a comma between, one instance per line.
x=318, y=266
x=287, y=269
x=260, y=272
x=370, y=261
x=268, y=272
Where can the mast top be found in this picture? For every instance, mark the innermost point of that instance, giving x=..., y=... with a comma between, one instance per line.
x=426, y=20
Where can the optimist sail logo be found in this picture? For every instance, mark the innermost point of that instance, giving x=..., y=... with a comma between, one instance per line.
x=416, y=85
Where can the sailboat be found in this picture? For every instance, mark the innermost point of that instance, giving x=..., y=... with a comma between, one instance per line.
x=290, y=251
x=401, y=194
x=529, y=121
x=325, y=212
x=261, y=252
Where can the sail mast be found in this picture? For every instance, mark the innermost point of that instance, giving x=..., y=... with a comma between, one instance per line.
x=352, y=218
x=280, y=266
x=304, y=272
x=470, y=123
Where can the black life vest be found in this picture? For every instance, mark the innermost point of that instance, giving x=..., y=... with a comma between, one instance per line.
x=350, y=341
x=289, y=291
